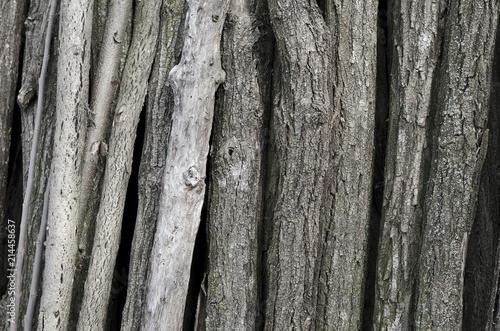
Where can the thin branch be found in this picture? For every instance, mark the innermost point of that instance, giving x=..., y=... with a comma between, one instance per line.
x=23, y=229
x=28, y=318
x=103, y=94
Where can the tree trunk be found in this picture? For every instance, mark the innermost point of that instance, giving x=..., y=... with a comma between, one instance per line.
x=345, y=257
x=194, y=83
x=118, y=165
x=306, y=223
x=38, y=14
x=414, y=44
x=10, y=34
x=237, y=170
x=159, y=108
x=72, y=94
x=300, y=176
x=457, y=155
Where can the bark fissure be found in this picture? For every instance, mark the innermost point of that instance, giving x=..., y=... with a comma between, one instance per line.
x=302, y=124
x=158, y=110
x=346, y=248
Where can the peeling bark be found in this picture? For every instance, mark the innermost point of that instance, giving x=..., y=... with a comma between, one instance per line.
x=194, y=82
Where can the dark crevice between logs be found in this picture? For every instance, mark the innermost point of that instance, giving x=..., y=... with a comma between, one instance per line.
x=380, y=142
x=119, y=283
x=481, y=270
x=14, y=197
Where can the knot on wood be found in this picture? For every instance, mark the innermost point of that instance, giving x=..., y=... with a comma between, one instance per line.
x=191, y=177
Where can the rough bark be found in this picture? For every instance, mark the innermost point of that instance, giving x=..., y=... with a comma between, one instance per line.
x=458, y=152
x=194, y=82
x=42, y=167
x=72, y=93
x=414, y=45
x=302, y=127
x=159, y=108
x=345, y=256
x=118, y=166
x=35, y=31
x=236, y=178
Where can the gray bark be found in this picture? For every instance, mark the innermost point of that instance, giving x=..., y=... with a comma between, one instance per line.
x=235, y=200
x=481, y=271
x=458, y=152
x=42, y=169
x=159, y=108
x=112, y=41
x=118, y=166
x=35, y=30
x=414, y=42
x=36, y=25
x=72, y=92
x=194, y=83
x=103, y=94
x=345, y=256
x=302, y=127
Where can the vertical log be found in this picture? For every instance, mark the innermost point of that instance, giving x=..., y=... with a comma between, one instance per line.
x=345, y=256
x=235, y=201
x=194, y=82
x=414, y=43
x=72, y=93
x=303, y=128
x=118, y=165
x=458, y=152
x=159, y=108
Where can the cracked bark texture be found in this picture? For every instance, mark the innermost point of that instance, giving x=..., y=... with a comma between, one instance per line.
x=302, y=124
x=458, y=152
x=237, y=175
x=414, y=45
x=285, y=251
x=482, y=261
x=345, y=258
